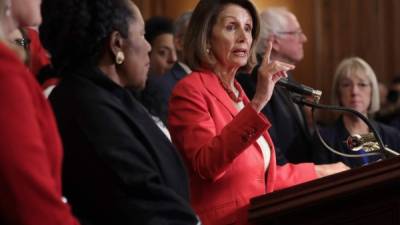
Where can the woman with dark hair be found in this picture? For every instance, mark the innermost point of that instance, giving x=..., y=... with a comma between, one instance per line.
x=30, y=146
x=220, y=132
x=119, y=168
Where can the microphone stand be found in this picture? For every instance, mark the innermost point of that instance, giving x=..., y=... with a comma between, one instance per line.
x=384, y=151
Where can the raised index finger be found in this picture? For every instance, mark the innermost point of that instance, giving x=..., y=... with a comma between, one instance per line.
x=267, y=54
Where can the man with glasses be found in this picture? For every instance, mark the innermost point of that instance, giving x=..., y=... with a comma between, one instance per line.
x=289, y=130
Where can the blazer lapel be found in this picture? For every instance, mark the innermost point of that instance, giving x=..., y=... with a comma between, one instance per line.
x=139, y=118
x=212, y=84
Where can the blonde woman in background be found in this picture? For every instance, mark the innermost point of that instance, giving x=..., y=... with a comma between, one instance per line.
x=354, y=86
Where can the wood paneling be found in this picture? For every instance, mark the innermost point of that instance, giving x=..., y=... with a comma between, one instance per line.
x=364, y=28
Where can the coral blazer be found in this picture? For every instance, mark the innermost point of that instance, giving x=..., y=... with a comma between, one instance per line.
x=219, y=146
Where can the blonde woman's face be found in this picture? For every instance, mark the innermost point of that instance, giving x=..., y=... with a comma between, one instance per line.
x=355, y=91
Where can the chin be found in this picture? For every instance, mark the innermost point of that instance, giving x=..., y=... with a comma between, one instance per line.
x=240, y=63
x=137, y=87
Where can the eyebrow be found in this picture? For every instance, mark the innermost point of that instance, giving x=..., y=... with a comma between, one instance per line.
x=233, y=17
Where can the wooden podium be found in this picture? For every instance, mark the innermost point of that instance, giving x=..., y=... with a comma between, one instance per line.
x=365, y=196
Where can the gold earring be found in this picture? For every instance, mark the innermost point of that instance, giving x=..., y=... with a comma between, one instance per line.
x=119, y=58
x=208, y=50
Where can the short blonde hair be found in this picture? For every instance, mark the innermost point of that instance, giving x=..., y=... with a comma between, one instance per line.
x=199, y=30
x=350, y=66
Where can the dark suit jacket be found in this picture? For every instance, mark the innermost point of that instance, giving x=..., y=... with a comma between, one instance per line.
x=119, y=168
x=290, y=135
x=171, y=78
x=336, y=135
x=155, y=96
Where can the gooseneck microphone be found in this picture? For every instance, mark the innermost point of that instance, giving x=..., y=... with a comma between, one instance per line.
x=368, y=143
x=357, y=141
x=299, y=89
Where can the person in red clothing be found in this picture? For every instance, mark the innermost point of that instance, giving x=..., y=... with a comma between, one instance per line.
x=27, y=40
x=30, y=147
x=38, y=55
x=220, y=132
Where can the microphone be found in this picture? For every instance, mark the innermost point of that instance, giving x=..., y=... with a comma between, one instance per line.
x=368, y=143
x=299, y=88
x=357, y=141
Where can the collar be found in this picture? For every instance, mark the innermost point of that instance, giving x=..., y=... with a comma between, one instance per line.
x=94, y=74
x=185, y=67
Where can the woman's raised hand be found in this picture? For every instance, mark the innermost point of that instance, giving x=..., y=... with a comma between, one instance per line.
x=269, y=73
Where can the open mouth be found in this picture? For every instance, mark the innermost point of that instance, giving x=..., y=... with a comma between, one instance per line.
x=240, y=52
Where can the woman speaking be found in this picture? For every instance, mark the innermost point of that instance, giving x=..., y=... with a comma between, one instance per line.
x=219, y=131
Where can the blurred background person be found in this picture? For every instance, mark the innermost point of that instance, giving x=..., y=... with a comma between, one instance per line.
x=390, y=114
x=159, y=33
x=383, y=93
x=354, y=86
x=289, y=131
x=30, y=146
x=219, y=131
x=180, y=69
x=35, y=56
x=119, y=168
x=167, y=82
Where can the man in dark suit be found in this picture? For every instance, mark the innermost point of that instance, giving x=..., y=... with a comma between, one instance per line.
x=159, y=89
x=289, y=130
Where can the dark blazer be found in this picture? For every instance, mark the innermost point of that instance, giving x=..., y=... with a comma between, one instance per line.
x=155, y=96
x=335, y=137
x=171, y=78
x=119, y=167
x=289, y=131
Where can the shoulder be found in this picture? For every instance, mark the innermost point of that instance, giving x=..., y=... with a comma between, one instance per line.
x=195, y=87
x=77, y=92
x=194, y=80
x=389, y=131
x=9, y=61
x=332, y=131
x=14, y=74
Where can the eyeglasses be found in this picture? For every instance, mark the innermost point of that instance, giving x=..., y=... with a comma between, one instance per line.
x=23, y=42
x=297, y=33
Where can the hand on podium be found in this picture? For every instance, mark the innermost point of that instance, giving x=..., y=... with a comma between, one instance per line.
x=329, y=169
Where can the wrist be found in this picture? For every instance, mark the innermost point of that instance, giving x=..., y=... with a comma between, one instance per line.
x=257, y=104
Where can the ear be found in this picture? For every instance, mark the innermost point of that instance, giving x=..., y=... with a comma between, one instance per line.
x=178, y=42
x=275, y=42
x=116, y=42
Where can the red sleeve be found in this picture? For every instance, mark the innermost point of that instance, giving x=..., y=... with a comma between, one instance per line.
x=30, y=191
x=208, y=150
x=292, y=174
